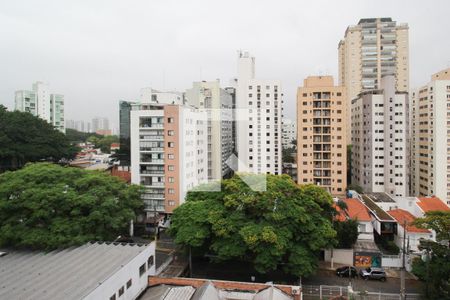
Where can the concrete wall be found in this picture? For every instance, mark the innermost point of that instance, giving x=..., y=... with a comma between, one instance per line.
x=340, y=256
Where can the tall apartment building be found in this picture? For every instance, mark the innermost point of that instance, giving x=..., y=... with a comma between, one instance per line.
x=218, y=103
x=168, y=153
x=289, y=133
x=380, y=139
x=430, y=126
x=258, y=118
x=147, y=96
x=321, y=130
x=41, y=103
x=373, y=48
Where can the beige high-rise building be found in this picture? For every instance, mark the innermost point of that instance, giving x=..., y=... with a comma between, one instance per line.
x=321, y=130
x=430, y=141
x=374, y=48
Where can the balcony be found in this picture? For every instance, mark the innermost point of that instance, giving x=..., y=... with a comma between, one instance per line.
x=147, y=125
x=151, y=149
x=151, y=161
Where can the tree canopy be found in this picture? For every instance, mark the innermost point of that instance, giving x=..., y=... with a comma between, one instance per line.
x=283, y=227
x=26, y=138
x=438, y=221
x=45, y=206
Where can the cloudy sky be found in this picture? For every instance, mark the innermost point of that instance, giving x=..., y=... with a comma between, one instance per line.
x=97, y=52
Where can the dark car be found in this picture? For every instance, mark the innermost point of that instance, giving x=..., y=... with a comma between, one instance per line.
x=373, y=273
x=346, y=271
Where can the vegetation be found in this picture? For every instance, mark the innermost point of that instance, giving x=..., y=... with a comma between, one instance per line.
x=434, y=268
x=346, y=233
x=26, y=138
x=103, y=142
x=284, y=227
x=99, y=141
x=389, y=247
x=46, y=206
x=356, y=188
x=288, y=155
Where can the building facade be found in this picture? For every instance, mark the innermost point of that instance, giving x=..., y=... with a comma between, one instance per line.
x=39, y=102
x=218, y=103
x=373, y=48
x=168, y=153
x=258, y=119
x=380, y=139
x=289, y=133
x=430, y=126
x=321, y=147
x=100, y=124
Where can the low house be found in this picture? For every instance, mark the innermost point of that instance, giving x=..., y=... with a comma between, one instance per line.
x=356, y=210
x=413, y=234
x=384, y=225
x=160, y=288
x=93, y=271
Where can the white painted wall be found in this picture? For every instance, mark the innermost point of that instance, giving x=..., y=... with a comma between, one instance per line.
x=340, y=256
x=129, y=271
x=367, y=232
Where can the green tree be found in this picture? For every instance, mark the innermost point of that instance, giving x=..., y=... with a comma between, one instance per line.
x=346, y=233
x=78, y=136
x=283, y=227
x=435, y=272
x=288, y=155
x=45, y=206
x=438, y=221
x=26, y=138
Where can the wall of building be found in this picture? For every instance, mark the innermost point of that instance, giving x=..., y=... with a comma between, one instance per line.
x=340, y=256
x=130, y=271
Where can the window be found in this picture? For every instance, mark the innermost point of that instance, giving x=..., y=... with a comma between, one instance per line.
x=171, y=203
x=142, y=270
x=170, y=120
x=129, y=283
x=121, y=291
x=170, y=144
x=171, y=156
x=171, y=132
x=171, y=168
x=113, y=297
x=171, y=191
x=150, y=261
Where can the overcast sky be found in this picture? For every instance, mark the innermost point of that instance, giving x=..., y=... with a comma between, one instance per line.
x=97, y=52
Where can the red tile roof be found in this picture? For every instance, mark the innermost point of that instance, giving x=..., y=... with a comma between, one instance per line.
x=432, y=203
x=357, y=210
x=401, y=216
x=341, y=216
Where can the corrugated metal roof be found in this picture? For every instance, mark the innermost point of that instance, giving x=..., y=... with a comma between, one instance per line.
x=180, y=293
x=61, y=274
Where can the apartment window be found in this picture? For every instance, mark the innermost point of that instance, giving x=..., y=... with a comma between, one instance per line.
x=171, y=144
x=171, y=203
x=171, y=191
x=171, y=132
x=142, y=270
x=121, y=291
x=171, y=179
x=338, y=94
x=250, y=95
x=150, y=261
x=171, y=156
x=170, y=120
x=171, y=168
x=129, y=283
x=113, y=297
x=305, y=95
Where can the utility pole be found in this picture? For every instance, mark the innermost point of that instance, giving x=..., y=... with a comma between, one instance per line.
x=402, y=273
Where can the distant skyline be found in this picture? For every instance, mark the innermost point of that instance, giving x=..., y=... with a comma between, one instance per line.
x=99, y=52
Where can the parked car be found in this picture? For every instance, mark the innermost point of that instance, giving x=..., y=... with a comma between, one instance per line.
x=373, y=273
x=347, y=271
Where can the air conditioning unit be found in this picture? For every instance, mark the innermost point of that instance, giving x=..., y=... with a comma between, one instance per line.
x=296, y=291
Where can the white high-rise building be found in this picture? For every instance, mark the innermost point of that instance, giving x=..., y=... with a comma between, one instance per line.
x=41, y=103
x=168, y=153
x=100, y=124
x=258, y=118
x=430, y=126
x=218, y=103
x=380, y=139
x=289, y=133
